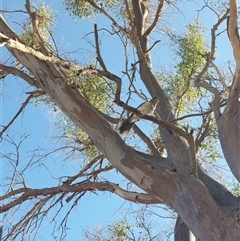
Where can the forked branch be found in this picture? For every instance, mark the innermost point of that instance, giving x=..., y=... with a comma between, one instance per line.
x=156, y=18
x=172, y=129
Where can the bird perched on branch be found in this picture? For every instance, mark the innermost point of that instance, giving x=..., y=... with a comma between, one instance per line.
x=146, y=108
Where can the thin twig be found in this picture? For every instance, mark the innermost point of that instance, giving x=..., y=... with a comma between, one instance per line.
x=155, y=43
x=108, y=16
x=32, y=95
x=195, y=114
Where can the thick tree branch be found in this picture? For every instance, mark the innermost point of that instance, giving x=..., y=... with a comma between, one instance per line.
x=1, y=230
x=156, y=18
x=12, y=44
x=16, y=45
x=24, y=194
x=5, y=28
x=138, y=19
x=171, y=129
x=228, y=124
x=99, y=57
x=84, y=115
x=164, y=109
x=182, y=232
x=21, y=47
x=16, y=72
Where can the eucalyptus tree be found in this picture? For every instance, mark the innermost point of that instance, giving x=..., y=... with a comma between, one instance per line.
x=93, y=100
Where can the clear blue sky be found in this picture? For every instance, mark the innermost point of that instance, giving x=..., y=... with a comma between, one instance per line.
x=38, y=122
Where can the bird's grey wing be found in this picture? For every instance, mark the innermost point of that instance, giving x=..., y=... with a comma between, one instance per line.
x=126, y=126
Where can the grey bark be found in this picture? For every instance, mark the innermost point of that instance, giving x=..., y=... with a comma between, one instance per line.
x=181, y=231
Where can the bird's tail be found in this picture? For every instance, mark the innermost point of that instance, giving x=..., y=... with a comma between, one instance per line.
x=125, y=127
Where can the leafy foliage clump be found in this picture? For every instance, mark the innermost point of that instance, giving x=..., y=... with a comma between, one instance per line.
x=97, y=91
x=236, y=190
x=81, y=140
x=191, y=51
x=45, y=20
x=94, y=88
x=84, y=9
